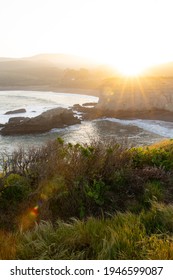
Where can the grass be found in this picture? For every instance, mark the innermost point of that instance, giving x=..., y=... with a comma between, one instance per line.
x=122, y=236
x=8, y=243
x=99, y=201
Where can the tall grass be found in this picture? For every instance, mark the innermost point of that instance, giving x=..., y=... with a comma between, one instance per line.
x=123, y=236
x=8, y=243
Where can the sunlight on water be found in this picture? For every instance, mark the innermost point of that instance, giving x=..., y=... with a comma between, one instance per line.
x=134, y=132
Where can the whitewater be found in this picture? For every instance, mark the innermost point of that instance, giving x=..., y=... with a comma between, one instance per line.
x=35, y=102
x=161, y=128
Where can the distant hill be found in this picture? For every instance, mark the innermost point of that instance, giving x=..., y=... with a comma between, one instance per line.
x=6, y=59
x=62, y=70
x=64, y=60
x=42, y=63
x=21, y=72
x=57, y=70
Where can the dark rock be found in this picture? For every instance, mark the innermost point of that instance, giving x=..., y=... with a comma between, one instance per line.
x=82, y=109
x=90, y=104
x=15, y=111
x=54, y=118
x=17, y=119
x=2, y=125
x=77, y=106
x=153, y=114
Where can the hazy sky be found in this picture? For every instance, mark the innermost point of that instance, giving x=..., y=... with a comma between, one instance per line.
x=120, y=32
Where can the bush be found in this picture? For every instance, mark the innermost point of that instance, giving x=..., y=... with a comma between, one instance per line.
x=16, y=188
x=159, y=156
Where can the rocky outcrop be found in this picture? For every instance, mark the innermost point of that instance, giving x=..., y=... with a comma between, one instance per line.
x=89, y=104
x=54, y=118
x=16, y=120
x=84, y=111
x=18, y=111
x=155, y=114
x=140, y=94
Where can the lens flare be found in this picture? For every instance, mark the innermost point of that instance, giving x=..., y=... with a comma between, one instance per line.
x=28, y=219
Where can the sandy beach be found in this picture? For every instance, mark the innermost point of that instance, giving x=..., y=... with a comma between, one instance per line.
x=93, y=92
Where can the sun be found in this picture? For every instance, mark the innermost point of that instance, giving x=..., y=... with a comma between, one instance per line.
x=130, y=70
x=130, y=66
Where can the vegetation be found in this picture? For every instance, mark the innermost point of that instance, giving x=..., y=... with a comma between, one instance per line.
x=98, y=201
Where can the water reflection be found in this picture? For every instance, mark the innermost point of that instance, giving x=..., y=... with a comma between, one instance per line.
x=86, y=132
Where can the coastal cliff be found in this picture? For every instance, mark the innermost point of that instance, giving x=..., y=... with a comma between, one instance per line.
x=137, y=94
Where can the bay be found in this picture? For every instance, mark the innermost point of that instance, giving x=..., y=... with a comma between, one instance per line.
x=131, y=132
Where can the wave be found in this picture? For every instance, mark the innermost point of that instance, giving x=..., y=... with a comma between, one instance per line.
x=161, y=128
x=36, y=103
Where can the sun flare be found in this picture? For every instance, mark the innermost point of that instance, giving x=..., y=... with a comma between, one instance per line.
x=130, y=67
x=130, y=70
x=132, y=61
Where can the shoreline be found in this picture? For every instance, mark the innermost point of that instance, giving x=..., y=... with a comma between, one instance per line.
x=94, y=113
x=155, y=115
x=92, y=92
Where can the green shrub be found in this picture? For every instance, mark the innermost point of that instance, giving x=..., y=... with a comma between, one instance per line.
x=16, y=188
x=96, y=191
x=161, y=156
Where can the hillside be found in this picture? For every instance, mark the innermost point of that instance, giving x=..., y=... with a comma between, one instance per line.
x=53, y=71
x=98, y=201
x=64, y=60
x=56, y=71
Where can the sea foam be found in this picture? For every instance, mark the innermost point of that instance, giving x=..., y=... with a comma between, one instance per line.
x=161, y=128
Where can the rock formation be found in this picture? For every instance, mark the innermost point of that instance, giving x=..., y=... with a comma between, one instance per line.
x=16, y=120
x=137, y=94
x=54, y=118
x=18, y=111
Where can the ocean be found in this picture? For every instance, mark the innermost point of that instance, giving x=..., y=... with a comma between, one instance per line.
x=132, y=132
